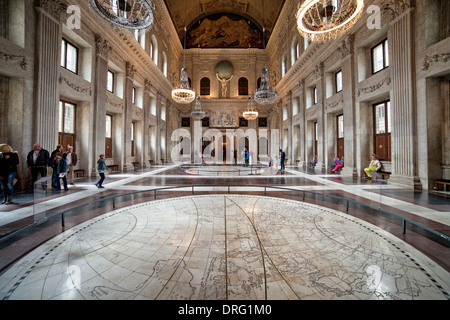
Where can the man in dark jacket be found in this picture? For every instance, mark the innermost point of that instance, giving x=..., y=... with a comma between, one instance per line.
x=37, y=162
x=8, y=171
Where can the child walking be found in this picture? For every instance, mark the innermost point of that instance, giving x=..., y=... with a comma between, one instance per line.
x=101, y=168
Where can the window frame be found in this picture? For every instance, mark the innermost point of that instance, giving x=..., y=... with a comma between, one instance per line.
x=337, y=90
x=243, y=89
x=66, y=43
x=113, y=81
x=387, y=129
x=205, y=86
x=384, y=45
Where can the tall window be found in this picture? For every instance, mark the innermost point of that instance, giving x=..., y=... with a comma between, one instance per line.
x=314, y=95
x=108, y=137
x=132, y=138
x=69, y=56
x=338, y=81
x=340, y=135
x=380, y=56
x=205, y=86
x=110, y=81
x=382, y=130
x=316, y=138
x=66, y=124
x=243, y=86
x=133, y=95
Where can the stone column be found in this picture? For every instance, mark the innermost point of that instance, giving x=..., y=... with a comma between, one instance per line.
x=158, y=128
x=48, y=49
x=128, y=115
x=146, y=123
x=302, y=134
x=348, y=92
x=403, y=100
x=320, y=111
x=289, y=152
x=101, y=74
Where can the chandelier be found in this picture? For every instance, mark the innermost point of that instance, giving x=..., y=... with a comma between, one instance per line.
x=323, y=20
x=197, y=113
x=251, y=113
x=183, y=94
x=265, y=94
x=125, y=14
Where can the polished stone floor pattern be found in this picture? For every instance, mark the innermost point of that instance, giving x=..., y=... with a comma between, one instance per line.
x=225, y=247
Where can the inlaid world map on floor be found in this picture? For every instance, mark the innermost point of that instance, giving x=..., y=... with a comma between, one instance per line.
x=225, y=247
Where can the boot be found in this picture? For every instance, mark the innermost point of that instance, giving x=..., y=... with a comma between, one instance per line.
x=4, y=200
x=9, y=200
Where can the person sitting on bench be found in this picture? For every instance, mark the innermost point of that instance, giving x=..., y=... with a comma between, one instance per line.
x=375, y=165
x=339, y=165
x=314, y=162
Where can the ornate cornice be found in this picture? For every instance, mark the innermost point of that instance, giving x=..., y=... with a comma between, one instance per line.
x=430, y=60
x=73, y=86
x=12, y=57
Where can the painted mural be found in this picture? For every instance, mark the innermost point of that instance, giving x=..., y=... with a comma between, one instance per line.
x=224, y=31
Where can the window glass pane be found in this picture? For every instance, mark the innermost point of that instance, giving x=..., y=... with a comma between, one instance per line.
x=389, y=117
x=110, y=82
x=108, y=126
x=63, y=53
x=380, y=119
x=71, y=63
x=61, y=114
x=339, y=81
x=315, y=95
x=69, y=118
x=386, y=54
x=340, y=126
x=377, y=58
x=133, y=96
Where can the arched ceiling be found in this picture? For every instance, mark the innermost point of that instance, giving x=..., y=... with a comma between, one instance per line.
x=261, y=13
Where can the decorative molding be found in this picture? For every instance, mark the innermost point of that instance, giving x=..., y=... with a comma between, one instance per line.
x=11, y=57
x=337, y=100
x=397, y=7
x=347, y=46
x=102, y=46
x=318, y=70
x=53, y=7
x=429, y=60
x=130, y=70
x=372, y=88
x=73, y=86
x=113, y=103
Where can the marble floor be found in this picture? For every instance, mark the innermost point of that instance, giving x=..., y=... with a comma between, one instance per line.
x=225, y=243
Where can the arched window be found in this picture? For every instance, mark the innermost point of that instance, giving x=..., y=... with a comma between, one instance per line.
x=154, y=50
x=205, y=86
x=164, y=66
x=243, y=86
x=295, y=51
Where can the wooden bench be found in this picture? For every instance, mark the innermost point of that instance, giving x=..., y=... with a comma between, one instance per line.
x=384, y=173
x=151, y=162
x=136, y=165
x=78, y=172
x=444, y=183
x=114, y=167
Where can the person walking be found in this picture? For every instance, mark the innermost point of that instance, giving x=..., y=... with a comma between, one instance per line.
x=282, y=160
x=8, y=171
x=59, y=166
x=59, y=149
x=101, y=168
x=37, y=162
x=72, y=160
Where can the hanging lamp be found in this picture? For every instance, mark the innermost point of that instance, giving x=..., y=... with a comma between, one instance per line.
x=250, y=113
x=197, y=113
x=323, y=20
x=265, y=94
x=183, y=93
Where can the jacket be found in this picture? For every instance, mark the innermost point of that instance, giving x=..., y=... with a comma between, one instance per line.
x=8, y=165
x=41, y=161
x=101, y=165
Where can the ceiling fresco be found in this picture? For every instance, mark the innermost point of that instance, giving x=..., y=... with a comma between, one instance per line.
x=224, y=23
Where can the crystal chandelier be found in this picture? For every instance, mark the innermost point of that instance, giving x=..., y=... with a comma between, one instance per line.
x=250, y=113
x=183, y=94
x=265, y=94
x=130, y=15
x=197, y=113
x=323, y=20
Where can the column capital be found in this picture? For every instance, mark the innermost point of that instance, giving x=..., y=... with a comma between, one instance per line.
x=102, y=46
x=53, y=8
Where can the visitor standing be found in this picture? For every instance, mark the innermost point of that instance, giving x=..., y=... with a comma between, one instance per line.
x=282, y=159
x=8, y=171
x=72, y=160
x=37, y=162
x=101, y=168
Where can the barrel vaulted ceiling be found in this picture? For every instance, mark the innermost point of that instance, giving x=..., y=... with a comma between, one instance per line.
x=257, y=13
